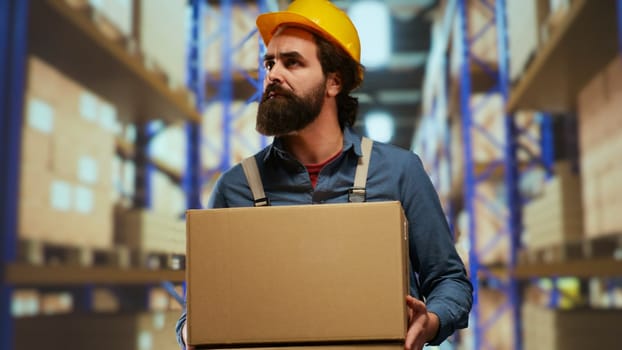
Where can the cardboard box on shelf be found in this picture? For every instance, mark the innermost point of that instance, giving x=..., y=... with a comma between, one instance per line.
x=25, y=302
x=492, y=243
x=58, y=211
x=90, y=163
x=98, y=331
x=500, y=333
x=150, y=232
x=600, y=131
x=165, y=46
x=311, y=267
x=53, y=303
x=168, y=198
x=556, y=217
x=105, y=300
x=551, y=329
x=114, y=18
x=36, y=149
x=522, y=27
x=246, y=56
x=35, y=217
x=479, y=16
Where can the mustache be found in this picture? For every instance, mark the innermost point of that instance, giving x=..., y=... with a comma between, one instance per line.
x=275, y=89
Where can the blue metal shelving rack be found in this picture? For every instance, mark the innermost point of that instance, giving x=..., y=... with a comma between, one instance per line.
x=196, y=84
x=224, y=83
x=515, y=137
x=432, y=141
x=13, y=41
x=509, y=165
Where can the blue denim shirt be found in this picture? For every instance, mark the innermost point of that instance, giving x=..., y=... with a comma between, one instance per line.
x=437, y=273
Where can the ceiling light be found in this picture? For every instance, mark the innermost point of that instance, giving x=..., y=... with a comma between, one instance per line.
x=379, y=126
x=373, y=22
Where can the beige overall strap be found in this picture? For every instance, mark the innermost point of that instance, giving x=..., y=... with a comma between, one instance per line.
x=254, y=181
x=358, y=191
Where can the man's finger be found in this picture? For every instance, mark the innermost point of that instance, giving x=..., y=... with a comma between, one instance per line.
x=416, y=305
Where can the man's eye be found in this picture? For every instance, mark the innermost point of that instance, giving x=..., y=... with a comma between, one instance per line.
x=268, y=65
x=290, y=63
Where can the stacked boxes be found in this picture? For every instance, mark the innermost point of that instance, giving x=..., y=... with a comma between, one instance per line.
x=479, y=16
x=246, y=54
x=557, y=216
x=146, y=231
x=165, y=46
x=492, y=243
x=600, y=139
x=127, y=331
x=522, y=34
x=66, y=191
x=551, y=14
x=498, y=334
x=114, y=18
x=551, y=329
x=488, y=113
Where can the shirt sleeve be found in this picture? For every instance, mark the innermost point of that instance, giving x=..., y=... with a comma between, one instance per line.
x=179, y=326
x=442, y=278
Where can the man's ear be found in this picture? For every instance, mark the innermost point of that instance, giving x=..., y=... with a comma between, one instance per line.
x=333, y=84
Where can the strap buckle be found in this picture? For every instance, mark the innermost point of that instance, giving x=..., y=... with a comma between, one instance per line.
x=262, y=202
x=357, y=195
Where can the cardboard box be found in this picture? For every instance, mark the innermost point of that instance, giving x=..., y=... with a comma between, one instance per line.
x=297, y=274
x=522, y=34
x=101, y=331
x=551, y=329
x=147, y=231
x=165, y=46
x=387, y=346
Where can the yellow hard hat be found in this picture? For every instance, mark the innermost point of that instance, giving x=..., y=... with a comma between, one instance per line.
x=320, y=16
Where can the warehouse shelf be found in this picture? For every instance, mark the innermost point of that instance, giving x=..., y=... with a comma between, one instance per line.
x=582, y=45
x=242, y=88
x=69, y=40
x=481, y=82
x=127, y=150
x=20, y=274
x=602, y=267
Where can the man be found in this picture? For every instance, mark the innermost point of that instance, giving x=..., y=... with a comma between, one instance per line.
x=312, y=64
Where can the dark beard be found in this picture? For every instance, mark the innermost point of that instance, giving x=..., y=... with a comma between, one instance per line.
x=286, y=112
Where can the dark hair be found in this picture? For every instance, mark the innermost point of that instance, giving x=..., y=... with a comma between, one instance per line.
x=334, y=59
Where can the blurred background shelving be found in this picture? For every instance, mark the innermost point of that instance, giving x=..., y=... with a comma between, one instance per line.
x=118, y=115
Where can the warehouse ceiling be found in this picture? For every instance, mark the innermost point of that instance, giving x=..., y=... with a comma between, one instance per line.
x=396, y=88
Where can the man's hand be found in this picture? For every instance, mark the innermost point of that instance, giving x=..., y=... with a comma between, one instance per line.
x=184, y=335
x=422, y=325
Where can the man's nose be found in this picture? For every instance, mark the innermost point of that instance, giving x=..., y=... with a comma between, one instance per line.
x=274, y=74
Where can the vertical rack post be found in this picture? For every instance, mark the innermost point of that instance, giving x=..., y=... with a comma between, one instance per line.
x=546, y=143
x=225, y=89
x=144, y=168
x=469, y=167
x=13, y=41
x=196, y=84
x=513, y=199
x=511, y=217
x=230, y=76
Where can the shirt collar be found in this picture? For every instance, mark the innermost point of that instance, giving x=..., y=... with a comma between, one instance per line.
x=350, y=141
